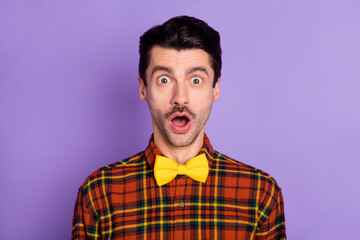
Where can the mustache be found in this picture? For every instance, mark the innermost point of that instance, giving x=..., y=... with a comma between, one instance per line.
x=180, y=109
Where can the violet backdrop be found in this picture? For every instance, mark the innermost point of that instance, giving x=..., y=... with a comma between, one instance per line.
x=289, y=105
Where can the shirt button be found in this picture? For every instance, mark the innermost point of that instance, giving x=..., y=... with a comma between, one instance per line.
x=182, y=205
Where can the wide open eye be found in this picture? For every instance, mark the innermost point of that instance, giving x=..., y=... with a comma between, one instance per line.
x=196, y=80
x=163, y=80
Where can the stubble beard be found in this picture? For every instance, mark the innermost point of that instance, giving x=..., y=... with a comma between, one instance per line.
x=180, y=140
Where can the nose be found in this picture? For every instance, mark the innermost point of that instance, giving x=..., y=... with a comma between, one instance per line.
x=180, y=95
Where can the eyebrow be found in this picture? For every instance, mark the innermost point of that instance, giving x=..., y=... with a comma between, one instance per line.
x=161, y=68
x=188, y=71
x=197, y=69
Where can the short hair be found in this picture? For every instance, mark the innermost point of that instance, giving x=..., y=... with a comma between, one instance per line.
x=181, y=33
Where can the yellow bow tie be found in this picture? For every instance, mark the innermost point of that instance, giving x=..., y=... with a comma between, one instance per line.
x=166, y=169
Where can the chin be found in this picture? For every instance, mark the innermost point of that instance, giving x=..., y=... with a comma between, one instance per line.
x=181, y=140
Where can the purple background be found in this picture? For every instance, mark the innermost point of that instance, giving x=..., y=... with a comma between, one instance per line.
x=289, y=105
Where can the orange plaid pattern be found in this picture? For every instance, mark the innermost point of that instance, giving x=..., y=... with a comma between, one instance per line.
x=123, y=201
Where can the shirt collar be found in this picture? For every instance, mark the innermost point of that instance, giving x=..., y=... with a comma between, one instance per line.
x=151, y=151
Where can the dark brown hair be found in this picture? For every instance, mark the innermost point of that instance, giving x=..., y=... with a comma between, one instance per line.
x=181, y=33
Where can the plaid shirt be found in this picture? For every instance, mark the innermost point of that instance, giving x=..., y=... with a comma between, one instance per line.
x=123, y=201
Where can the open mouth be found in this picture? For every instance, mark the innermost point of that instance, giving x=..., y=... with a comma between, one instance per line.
x=180, y=121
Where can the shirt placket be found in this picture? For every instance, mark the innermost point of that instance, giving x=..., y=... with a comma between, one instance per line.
x=180, y=206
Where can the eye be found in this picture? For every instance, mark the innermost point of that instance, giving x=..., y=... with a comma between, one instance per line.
x=196, y=80
x=163, y=80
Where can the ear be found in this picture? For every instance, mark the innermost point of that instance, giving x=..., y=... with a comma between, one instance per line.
x=142, y=89
x=216, y=90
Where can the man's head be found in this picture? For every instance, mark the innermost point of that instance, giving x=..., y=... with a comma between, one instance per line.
x=181, y=33
x=180, y=63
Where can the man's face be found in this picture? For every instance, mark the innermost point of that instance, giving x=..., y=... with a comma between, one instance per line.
x=179, y=93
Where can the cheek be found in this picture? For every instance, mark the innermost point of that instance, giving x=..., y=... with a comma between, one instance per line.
x=203, y=108
x=203, y=97
x=157, y=103
x=158, y=94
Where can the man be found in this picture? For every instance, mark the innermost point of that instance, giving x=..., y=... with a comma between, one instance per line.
x=179, y=187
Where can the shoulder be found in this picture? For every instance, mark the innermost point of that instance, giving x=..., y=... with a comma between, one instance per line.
x=230, y=166
x=118, y=170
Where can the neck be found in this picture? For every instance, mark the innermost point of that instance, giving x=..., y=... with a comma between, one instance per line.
x=179, y=154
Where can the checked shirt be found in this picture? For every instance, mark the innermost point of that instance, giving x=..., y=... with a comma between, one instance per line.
x=123, y=201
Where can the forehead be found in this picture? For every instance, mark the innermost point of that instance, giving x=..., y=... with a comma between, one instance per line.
x=179, y=60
